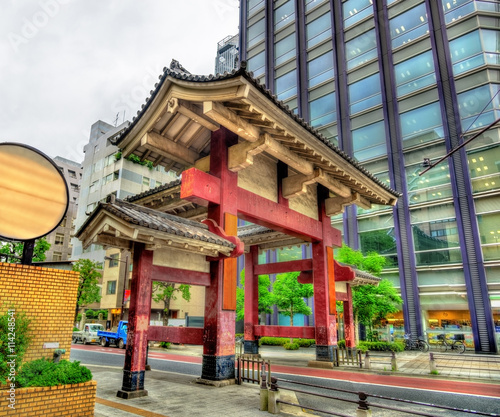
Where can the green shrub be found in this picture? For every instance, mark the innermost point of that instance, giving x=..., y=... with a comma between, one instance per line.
x=381, y=346
x=341, y=344
x=14, y=340
x=273, y=341
x=304, y=342
x=291, y=346
x=165, y=345
x=44, y=373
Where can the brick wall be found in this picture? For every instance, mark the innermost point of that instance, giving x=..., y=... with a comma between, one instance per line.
x=62, y=400
x=48, y=297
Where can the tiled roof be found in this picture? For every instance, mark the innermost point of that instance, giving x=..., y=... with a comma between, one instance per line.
x=152, y=191
x=249, y=76
x=155, y=220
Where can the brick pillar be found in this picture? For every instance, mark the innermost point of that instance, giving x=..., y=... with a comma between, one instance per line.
x=350, y=340
x=251, y=300
x=324, y=287
x=220, y=296
x=138, y=323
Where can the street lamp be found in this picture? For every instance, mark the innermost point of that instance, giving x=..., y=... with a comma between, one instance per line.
x=124, y=280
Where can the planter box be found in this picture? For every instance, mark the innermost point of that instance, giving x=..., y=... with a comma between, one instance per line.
x=62, y=400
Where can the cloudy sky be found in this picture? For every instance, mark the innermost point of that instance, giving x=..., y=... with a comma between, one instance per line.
x=65, y=64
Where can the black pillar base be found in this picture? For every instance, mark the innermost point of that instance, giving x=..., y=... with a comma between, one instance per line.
x=217, y=368
x=324, y=353
x=251, y=347
x=132, y=385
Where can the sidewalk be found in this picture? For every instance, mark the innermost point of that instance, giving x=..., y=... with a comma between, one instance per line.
x=177, y=395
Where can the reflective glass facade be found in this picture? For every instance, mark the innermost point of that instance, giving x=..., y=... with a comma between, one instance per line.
x=391, y=94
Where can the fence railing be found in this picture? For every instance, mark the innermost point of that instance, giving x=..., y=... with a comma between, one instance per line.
x=270, y=401
x=251, y=368
x=347, y=357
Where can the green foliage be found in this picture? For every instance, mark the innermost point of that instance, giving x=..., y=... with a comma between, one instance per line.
x=281, y=341
x=14, y=329
x=288, y=295
x=265, y=297
x=435, y=372
x=291, y=346
x=381, y=346
x=16, y=249
x=118, y=155
x=372, y=262
x=165, y=345
x=44, y=373
x=166, y=291
x=341, y=343
x=94, y=314
x=136, y=160
x=88, y=289
x=76, y=329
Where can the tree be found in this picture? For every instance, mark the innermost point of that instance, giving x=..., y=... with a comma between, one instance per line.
x=265, y=297
x=288, y=295
x=16, y=249
x=372, y=262
x=88, y=289
x=166, y=291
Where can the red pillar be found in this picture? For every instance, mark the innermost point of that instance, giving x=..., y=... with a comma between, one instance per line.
x=324, y=287
x=220, y=296
x=251, y=300
x=138, y=323
x=350, y=341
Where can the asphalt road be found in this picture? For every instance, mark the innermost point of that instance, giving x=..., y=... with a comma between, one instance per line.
x=97, y=355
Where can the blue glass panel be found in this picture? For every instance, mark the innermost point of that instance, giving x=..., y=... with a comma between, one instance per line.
x=285, y=49
x=311, y=4
x=257, y=64
x=356, y=10
x=477, y=101
x=323, y=110
x=286, y=85
x=318, y=30
x=365, y=94
x=457, y=9
x=254, y=6
x=415, y=73
x=369, y=141
x=320, y=69
x=284, y=15
x=361, y=49
x=409, y=26
x=491, y=40
x=422, y=125
x=256, y=33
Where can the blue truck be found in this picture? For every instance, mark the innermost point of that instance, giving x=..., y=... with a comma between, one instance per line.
x=118, y=338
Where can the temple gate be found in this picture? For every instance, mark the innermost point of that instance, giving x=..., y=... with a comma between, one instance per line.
x=242, y=155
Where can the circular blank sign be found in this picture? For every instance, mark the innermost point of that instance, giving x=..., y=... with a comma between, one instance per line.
x=33, y=193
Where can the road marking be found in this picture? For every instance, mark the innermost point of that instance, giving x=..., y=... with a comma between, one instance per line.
x=128, y=408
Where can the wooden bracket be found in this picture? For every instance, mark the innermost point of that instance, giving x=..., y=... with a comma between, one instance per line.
x=336, y=205
x=216, y=229
x=295, y=185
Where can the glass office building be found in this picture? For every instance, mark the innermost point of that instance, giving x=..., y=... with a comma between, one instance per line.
x=394, y=83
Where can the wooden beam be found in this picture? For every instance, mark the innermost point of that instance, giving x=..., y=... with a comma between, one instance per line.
x=203, y=164
x=301, y=332
x=287, y=156
x=231, y=120
x=195, y=115
x=184, y=335
x=179, y=276
x=200, y=187
x=169, y=149
x=280, y=267
x=241, y=155
x=295, y=185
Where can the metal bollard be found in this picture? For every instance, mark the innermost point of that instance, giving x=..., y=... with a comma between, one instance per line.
x=264, y=395
x=394, y=364
x=363, y=409
x=367, y=361
x=57, y=355
x=432, y=363
x=274, y=396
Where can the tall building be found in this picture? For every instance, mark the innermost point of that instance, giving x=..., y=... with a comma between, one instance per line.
x=60, y=238
x=105, y=173
x=398, y=84
x=227, y=54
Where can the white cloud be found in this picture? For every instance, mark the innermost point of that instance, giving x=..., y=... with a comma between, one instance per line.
x=67, y=63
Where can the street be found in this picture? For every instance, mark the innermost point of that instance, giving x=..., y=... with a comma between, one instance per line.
x=191, y=365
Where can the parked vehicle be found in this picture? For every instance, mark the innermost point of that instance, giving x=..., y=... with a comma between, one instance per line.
x=118, y=338
x=457, y=343
x=411, y=344
x=88, y=334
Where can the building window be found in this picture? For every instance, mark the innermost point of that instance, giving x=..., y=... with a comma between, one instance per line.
x=257, y=64
x=94, y=186
x=286, y=85
x=113, y=262
x=254, y=6
x=484, y=168
x=72, y=174
x=415, y=73
x=111, y=288
x=361, y=49
x=75, y=187
x=256, y=33
x=422, y=125
x=320, y=69
x=111, y=177
x=476, y=107
x=59, y=240
x=365, y=94
x=369, y=141
x=146, y=181
x=284, y=14
x=110, y=159
x=285, y=49
x=318, y=30
x=323, y=110
x=356, y=10
x=409, y=26
x=57, y=256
